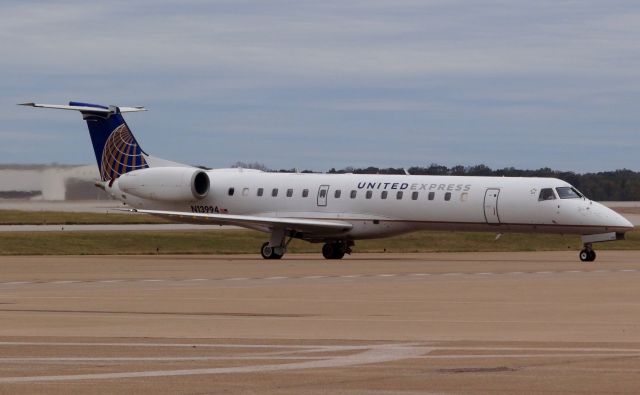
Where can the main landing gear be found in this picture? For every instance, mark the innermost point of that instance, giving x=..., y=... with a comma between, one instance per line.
x=276, y=247
x=336, y=249
x=269, y=252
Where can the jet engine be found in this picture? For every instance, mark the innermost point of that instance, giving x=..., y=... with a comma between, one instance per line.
x=166, y=183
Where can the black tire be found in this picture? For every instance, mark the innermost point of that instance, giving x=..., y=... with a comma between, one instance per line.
x=328, y=250
x=333, y=251
x=266, y=251
x=269, y=252
x=587, y=255
x=275, y=255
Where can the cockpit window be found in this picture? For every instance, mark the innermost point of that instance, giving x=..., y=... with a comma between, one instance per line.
x=546, y=194
x=568, y=193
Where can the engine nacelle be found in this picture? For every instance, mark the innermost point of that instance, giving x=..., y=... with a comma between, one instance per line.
x=166, y=183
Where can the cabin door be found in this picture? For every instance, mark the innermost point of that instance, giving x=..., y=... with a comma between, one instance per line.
x=323, y=191
x=491, y=206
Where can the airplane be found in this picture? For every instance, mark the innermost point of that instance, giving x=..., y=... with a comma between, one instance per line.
x=335, y=209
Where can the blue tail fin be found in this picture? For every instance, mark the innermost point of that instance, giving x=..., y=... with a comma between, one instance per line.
x=117, y=150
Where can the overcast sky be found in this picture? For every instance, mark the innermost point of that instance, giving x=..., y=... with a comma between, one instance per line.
x=321, y=84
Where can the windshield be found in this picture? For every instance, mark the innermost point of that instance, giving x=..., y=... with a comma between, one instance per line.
x=546, y=194
x=568, y=193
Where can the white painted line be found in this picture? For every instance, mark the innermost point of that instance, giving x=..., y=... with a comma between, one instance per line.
x=152, y=280
x=573, y=271
x=484, y=274
x=17, y=282
x=451, y=274
x=543, y=273
x=351, y=276
x=110, y=281
x=420, y=274
x=237, y=278
x=275, y=278
x=312, y=277
x=64, y=282
x=537, y=349
x=552, y=355
x=386, y=275
x=628, y=270
x=515, y=273
x=372, y=355
x=320, y=348
x=143, y=359
x=197, y=279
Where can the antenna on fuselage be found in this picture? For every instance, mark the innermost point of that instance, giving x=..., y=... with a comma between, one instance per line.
x=406, y=172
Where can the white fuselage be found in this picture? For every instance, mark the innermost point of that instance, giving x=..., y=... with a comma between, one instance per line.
x=383, y=205
x=334, y=208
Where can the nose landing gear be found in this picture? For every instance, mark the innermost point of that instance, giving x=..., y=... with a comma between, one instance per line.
x=587, y=254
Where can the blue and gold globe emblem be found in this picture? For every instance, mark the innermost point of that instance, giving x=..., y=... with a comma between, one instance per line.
x=121, y=154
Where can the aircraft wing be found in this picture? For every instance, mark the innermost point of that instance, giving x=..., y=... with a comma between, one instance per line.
x=314, y=226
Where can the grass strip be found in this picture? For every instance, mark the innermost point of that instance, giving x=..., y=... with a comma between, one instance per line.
x=18, y=217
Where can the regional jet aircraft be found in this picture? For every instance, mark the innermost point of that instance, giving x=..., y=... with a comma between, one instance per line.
x=335, y=209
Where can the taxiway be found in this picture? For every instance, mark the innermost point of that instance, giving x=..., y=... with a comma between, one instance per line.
x=375, y=323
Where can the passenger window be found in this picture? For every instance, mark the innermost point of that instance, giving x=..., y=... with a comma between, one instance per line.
x=447, y=196
x=274, y=192
x=289, y=192
x=337, y=194
x=231, y=191
x=414, y=195
x=432, y=195
x=383, y=194
x=305, y=192
x=260, y=191
x=369, y=194
x=399, y=195
x=245, y=192
x=546, y=194
x=353, y=194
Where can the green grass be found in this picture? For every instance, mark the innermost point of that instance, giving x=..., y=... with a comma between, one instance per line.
x=16, y=217
x=244, y=241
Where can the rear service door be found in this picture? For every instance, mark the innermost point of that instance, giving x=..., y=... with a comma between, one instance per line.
x=491, y=206
x=323, y=191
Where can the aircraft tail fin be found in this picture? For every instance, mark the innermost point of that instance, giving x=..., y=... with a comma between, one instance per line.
x=117, y=150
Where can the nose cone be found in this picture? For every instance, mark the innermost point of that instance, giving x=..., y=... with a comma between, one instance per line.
x=622, y=221
x=612, y=219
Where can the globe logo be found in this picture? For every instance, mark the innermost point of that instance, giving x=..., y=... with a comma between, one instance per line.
x=121, y=154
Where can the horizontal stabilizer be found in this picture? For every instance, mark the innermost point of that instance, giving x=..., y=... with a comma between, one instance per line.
x=83, y=107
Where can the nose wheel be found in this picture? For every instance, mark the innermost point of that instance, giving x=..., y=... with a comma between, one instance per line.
x=587, y=254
